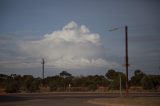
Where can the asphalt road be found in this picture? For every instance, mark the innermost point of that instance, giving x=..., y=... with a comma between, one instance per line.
x=48, y=102
x=44, y=100
x=58, y=99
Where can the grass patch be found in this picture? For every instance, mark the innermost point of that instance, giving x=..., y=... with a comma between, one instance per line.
x=128, y=101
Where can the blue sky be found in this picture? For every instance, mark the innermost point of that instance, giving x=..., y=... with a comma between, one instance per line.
x=28, y=32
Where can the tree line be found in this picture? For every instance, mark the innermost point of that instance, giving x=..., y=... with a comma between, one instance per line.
x=67, y=82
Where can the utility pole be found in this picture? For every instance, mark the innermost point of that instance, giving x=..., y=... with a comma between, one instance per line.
x=43, y=62
x=126, y=55
x=126, y=58
x=120, y=85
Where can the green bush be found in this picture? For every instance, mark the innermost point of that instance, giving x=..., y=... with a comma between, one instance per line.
x=12, y=87
x=92, y=87
x=34, y=86
x=30, y=84
x=147, y=83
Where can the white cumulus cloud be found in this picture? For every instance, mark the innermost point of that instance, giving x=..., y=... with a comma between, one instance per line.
x=73, y=46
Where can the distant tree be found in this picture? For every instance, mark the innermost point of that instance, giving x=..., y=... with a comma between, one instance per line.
x=65, y=74
x=12, y=85
x=147, y=83
x=67, y=78
x=93, y=81
x=111, y=74
x=92, y=87
x=34, y=85
x=30, y=84
x=155, y=80
x=114, y=78
x=79, y=81
x=3, y=80
x=136, y=79
x=138, y=73
x=101, y=80
x=55, y=82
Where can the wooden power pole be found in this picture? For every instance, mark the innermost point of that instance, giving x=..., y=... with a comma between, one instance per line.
x=126, y=58
x=126, y=55
x=43, y=62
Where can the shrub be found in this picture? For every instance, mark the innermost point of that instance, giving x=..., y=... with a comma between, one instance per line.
x=12, y=87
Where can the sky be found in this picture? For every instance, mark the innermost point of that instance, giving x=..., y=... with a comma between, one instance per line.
x=74, y=35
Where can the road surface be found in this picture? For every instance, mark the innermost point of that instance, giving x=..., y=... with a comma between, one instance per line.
x=57, y=99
